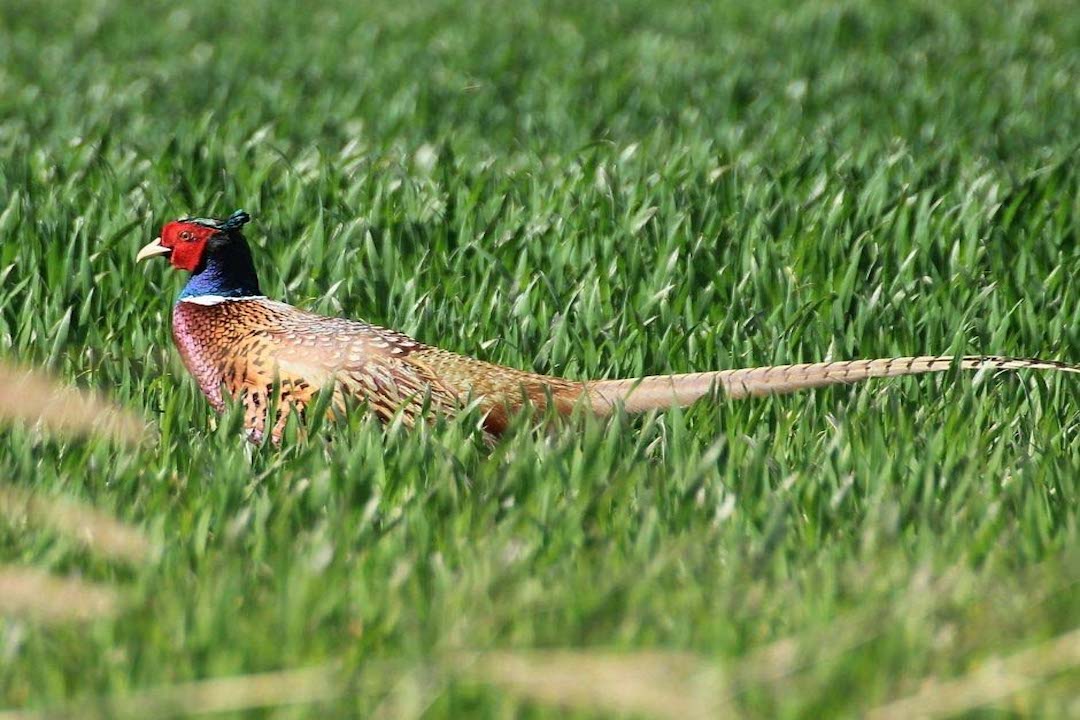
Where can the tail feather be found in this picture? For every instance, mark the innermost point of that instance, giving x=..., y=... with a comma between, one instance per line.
x=662, y=391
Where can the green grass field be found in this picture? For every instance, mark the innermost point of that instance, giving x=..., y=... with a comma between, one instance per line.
x=584, y=189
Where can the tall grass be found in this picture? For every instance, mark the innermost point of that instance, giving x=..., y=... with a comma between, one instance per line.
x=583, y=189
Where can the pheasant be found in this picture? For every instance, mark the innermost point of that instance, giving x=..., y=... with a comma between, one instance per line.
x=236, y=341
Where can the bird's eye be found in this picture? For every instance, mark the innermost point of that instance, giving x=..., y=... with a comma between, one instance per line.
x=185, y=235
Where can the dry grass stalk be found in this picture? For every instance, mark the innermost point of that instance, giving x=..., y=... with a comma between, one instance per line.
x=98, y=532
x=412, y=694
x=994, y=681
x=40, y=597
x=230, y=694
x=31, y=397
x=653, y=684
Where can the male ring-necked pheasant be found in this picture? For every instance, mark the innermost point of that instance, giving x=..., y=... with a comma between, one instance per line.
x=234, y=339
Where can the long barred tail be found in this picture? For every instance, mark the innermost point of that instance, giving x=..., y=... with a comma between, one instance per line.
x=663, y=391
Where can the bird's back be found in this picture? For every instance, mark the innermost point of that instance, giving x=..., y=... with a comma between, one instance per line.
x=252, y=346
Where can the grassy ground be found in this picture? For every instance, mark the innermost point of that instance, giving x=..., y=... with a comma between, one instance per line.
x=583, y=189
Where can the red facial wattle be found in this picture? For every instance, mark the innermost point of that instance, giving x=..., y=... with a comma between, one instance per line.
x=186, y=242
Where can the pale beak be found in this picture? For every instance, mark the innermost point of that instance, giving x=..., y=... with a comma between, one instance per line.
x=152, y=248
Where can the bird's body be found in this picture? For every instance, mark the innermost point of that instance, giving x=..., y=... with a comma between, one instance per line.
x=251, y=348
x=268, y=354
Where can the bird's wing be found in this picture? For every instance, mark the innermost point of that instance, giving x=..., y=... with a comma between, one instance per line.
x=364, y=363
x=295, y=353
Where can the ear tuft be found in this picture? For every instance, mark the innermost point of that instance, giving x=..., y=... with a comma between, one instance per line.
x=236, y=221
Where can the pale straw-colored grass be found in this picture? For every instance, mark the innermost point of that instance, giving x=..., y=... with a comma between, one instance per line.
x=993, y=681
x=315, y=684
x=649, y=684
x=32, y=397
x=26, y=593
x=654, y=684
x=99, y=532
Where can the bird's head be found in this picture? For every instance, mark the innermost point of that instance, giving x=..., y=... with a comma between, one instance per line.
x=189, y=241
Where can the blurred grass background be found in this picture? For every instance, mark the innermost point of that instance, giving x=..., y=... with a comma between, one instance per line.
x=593, y=189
